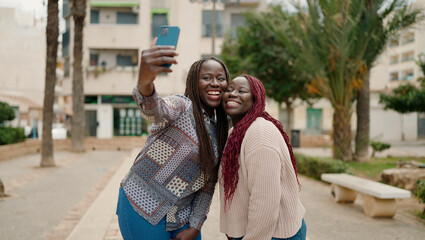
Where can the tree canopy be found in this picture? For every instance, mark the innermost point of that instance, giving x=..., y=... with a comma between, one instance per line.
x=256, y=51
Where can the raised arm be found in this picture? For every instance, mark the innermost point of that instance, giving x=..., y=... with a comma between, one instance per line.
x=151, y=63
x=160, y=111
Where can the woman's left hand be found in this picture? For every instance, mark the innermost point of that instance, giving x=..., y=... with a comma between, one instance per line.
x=187, y=234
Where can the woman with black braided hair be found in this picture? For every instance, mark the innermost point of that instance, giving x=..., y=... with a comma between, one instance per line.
x=168, y=190
x=258, y=173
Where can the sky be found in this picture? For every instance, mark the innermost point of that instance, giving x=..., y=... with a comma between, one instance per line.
x=36, y=7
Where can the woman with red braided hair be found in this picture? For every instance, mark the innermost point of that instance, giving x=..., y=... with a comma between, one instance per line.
x=259, y=187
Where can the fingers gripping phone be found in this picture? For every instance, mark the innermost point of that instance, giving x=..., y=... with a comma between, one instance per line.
x=168, y=35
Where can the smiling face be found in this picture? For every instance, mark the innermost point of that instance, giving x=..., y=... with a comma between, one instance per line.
x=238, y=99
x=212, y=83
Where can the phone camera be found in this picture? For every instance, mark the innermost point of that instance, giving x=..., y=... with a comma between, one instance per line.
x=163, y=32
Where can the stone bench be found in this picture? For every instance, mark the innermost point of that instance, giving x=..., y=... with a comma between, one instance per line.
x=379, y=198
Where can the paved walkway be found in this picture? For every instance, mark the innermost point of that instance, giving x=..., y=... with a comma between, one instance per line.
x=77, y=201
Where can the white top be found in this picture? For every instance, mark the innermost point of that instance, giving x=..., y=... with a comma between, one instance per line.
x=366, y=186
x=266, y=202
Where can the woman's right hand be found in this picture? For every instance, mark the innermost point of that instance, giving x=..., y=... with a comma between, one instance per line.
x=150, y=66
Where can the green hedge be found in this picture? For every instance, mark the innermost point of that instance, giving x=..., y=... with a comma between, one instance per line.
x=314, y=166
x=9, y=135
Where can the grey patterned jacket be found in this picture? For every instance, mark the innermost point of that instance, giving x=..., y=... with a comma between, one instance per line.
x=165, y=179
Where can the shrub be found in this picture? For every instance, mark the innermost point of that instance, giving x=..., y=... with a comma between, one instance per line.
x=9, y=135
x=314, y=166
x=420, y=194
x=6, y=112
x=379, y=146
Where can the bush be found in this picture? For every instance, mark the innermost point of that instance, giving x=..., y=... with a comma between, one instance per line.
x=314, y=166
x=420, y=193
x=6, y=112
x=379, y=146
x=9, y=135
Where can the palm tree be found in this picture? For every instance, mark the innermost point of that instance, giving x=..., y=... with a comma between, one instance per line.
x=52, y=33
x=337, y=37
x=399, y=17
x=77, y=132
x=330, y=53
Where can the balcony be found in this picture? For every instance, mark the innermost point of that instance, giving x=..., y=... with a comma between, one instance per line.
x=116, y=80
x=113, y=36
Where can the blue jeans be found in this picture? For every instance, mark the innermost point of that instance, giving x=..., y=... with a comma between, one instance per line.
x=135, y=227
x=300, y=235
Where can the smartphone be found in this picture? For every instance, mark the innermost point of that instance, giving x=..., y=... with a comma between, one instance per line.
x=168, y=35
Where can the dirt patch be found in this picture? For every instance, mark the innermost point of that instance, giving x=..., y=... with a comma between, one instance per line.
x=411, y=207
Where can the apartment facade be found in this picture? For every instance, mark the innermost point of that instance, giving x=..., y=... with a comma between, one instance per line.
x=22, y=66
x=115, y=33
x=395, y=66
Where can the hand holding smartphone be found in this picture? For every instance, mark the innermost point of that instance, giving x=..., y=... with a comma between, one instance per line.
x=168, y=35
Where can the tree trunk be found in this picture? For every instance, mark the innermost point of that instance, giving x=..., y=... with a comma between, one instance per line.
x=2, y=194
x=342, y=133
x=52, y=33
x=78, y=119
x=289, y=123
x=363, y=121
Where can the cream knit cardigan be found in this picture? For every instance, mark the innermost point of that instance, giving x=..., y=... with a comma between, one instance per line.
x=266, y=202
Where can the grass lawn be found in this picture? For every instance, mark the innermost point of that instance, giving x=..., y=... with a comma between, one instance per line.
x=375, y=166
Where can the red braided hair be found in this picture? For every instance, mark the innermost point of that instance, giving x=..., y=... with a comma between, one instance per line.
x=229, y=161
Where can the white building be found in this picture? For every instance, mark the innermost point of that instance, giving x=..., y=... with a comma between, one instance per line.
x=22, y=65
x=115, y=33
x=397, y=66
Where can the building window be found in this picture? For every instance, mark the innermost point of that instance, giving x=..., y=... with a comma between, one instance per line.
x=407, y=75
x=126, y=18
x=206, y=23
x=90, y=99
x=314, y=121
x=394, y=76
x=129, y=122
x=237, y=20
x=408, y=38
x=124, y=60
x=65, y=8
x=394, y=43
x=109, y=59
x=65, y=43
x=94, y=59
x=394, y=59
x=159, y=18
x=409, y=56
x=94, y=16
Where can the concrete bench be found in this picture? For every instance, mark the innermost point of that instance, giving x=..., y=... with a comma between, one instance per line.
x=379, y=199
